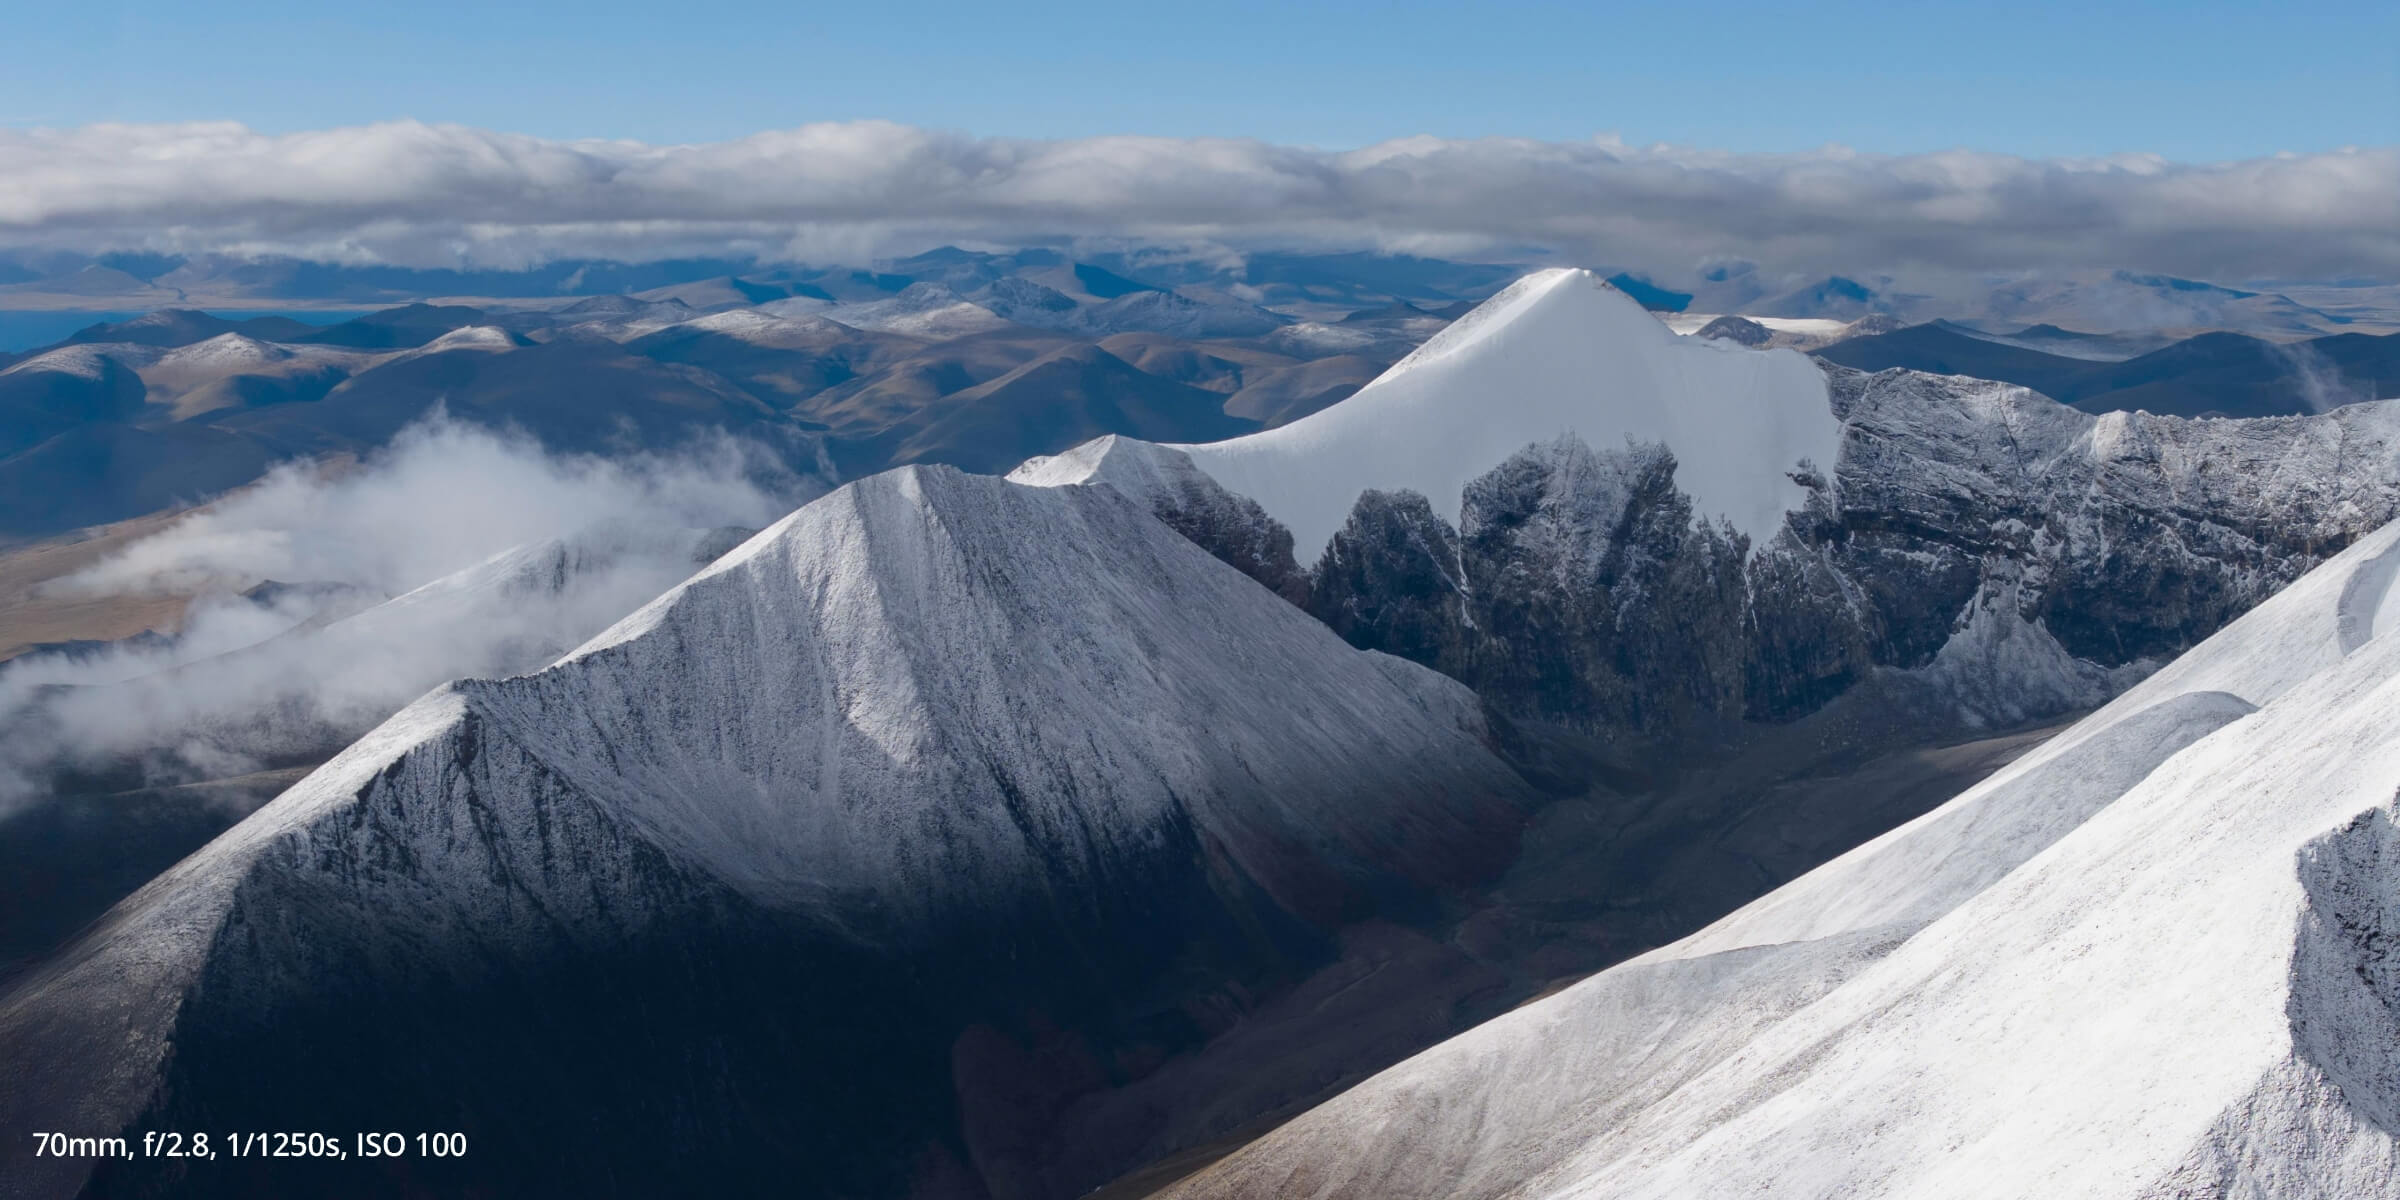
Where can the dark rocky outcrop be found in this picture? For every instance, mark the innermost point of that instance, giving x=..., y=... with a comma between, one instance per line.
x=2060, y=553
x=1738, y=329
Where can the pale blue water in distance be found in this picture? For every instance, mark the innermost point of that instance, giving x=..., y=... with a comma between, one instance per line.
x=24, y=330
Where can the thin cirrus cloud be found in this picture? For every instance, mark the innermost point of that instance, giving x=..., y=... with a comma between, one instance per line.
x=438, y=195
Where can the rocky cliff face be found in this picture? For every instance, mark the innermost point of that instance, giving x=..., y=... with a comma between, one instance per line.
x=1976, y=547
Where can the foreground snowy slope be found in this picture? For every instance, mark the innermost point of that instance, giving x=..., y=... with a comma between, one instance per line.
x=2147, y=960
x=935, y=754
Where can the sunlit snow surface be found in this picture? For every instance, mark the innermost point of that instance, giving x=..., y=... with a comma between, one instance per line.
x=1558, y=352
x=2147, y=960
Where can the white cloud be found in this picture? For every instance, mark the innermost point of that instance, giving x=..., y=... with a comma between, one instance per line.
x=500, y=555
x=427, y=195
x=443, y=496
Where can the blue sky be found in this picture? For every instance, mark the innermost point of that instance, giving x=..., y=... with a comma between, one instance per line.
x=2192, y=81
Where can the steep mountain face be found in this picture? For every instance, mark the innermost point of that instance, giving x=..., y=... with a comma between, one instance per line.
x=1973, y=557
x=2147, y=960
x=889, y=854
x=1559, y=351
x=1233, y=528
x=1976, y=554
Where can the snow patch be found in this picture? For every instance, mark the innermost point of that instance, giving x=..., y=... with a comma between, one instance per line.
x=761, y=328
x=927, y=310
x=84, y=362
x=224, y=352
x=1558, y=352
x=472, y=337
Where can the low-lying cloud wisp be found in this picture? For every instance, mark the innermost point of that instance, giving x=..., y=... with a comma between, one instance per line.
x=454, y=552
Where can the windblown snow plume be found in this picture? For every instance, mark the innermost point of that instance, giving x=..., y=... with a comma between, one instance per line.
x=2321, y=385
x=327, y=600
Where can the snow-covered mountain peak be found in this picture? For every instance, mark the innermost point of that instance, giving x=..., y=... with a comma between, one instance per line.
x=1130, y=464
x=1557, y=352
x=1016, y=298
x=926, y=310
x=759, y=327
x=1495, y=315
x=885, y=650
x=473, y=337
x=226, y=351
x=91, y=361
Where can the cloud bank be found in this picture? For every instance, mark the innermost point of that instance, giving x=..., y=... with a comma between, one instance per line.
x=454, y=552
x=412, y=194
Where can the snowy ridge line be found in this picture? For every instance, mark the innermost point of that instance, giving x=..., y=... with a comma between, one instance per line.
x=1557, y=352
x=2141, y=962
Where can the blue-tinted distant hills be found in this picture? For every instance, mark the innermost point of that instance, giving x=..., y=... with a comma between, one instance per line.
x=2214, y=374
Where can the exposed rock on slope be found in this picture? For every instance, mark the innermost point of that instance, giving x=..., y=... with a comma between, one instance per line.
x=756, y=887
x=2012, y=557
x=1737, y=329
x=2145, y=961
x=1559, y=351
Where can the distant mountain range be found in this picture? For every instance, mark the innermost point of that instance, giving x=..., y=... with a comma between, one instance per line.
x=1337, y=281
x=847, y=373
x=129, y=417
x=2214, y=374
x=1274, y=287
